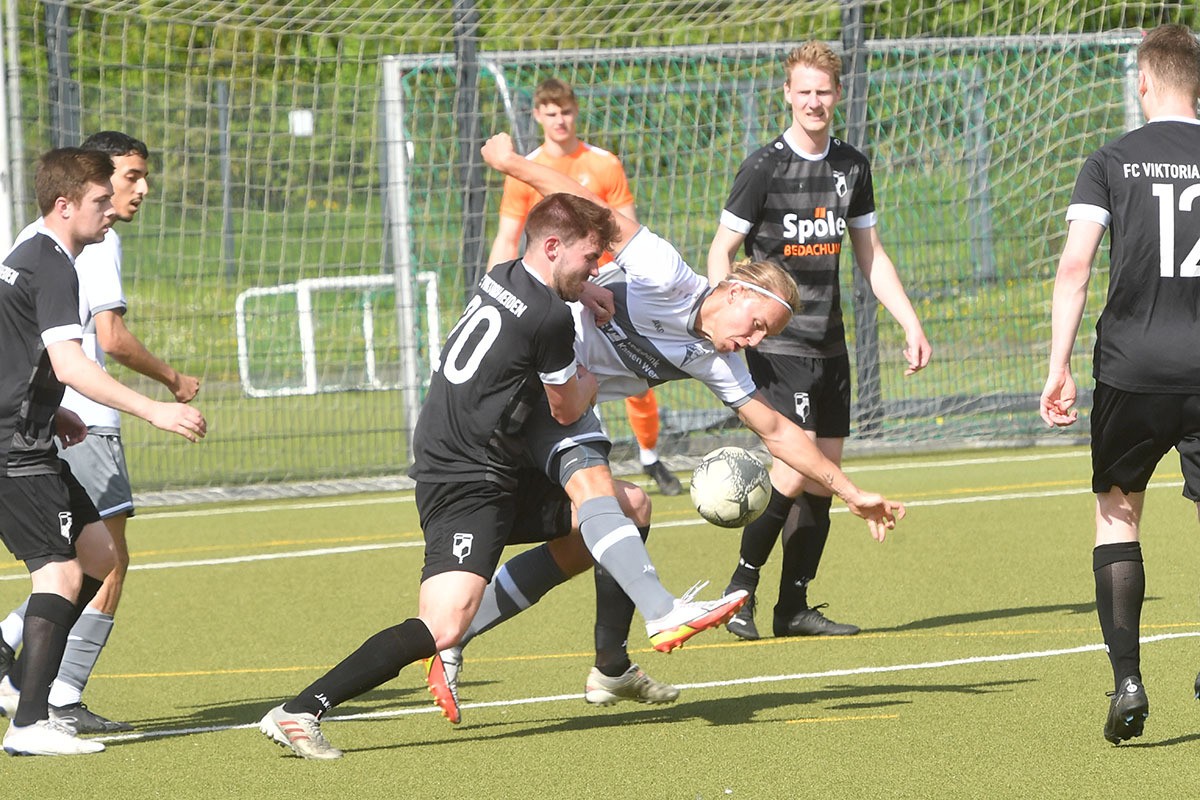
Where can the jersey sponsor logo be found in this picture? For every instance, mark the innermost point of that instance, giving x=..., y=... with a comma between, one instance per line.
x=64, y=524
x=803, y=405
x=648, y=365
x=8, y=275
x=824, y=224
x=507, y=300
x=839, y=183
x=462, y=545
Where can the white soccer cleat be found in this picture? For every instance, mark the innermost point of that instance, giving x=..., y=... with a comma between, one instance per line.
x=10, y=697
x=301, y=733
x=634, y=684
x=47, y=738
x=689, y=617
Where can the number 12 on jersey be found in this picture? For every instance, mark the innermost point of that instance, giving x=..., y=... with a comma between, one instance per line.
x=1190, y=266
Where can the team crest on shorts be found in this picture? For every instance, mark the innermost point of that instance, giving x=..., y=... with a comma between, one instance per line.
x=802, y=405
x=64, y=524
x=462, y=545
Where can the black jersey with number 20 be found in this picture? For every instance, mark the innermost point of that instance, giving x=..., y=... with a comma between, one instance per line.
x=515, y=335
x=1146, y=185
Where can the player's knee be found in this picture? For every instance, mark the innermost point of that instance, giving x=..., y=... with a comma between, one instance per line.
x=587, y=484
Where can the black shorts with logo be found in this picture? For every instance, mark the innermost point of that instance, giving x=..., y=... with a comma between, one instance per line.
x=1131, y=432
x=812, y=392
x=466, y=525
x=41, y=516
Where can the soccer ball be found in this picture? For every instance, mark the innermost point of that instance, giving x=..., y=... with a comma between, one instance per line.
x=730, y=487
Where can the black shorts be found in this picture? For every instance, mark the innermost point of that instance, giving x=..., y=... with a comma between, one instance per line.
x=41, y=516
x=466, y=525
x=1131, y=432
x=814, y=393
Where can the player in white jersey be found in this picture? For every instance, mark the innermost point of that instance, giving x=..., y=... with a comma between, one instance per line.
x=98, y=462
x=669, y=325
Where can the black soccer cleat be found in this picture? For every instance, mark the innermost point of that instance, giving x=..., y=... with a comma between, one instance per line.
x=742, y=624
x=1128, y=711
x=7, y=657
x=811, y=622
x=79, y=718
x=668, y=484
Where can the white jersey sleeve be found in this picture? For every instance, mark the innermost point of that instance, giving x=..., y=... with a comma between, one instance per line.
x=98, y=267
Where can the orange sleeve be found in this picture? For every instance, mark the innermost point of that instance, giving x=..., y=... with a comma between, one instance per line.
x=517, y=199
x=617, y=192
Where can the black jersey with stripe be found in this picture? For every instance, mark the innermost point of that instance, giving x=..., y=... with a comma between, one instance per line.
x=515, y=334
x=1146, y=186
x=794, y=211
x=39, y=292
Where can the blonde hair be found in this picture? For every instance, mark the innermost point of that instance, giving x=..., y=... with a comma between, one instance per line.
x=766, y=276
x=1172, y=54
x=817, y=55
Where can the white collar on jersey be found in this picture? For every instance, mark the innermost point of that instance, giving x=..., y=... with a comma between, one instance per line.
x=787, y=137
x=1188, y=120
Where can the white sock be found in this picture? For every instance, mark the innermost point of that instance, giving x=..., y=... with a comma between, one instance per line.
x=13, y=627
x=648, y=456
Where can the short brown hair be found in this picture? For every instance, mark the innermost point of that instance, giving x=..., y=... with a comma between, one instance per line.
x=817, y=55
x=1172, y=54
x=571, y=218
x=766, y=275
x=556, y=92
x=67, y=172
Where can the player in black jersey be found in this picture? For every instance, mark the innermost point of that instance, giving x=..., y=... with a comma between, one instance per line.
x=791, y=204
x=512, y=346
x=46, y=518
x=1143, y=187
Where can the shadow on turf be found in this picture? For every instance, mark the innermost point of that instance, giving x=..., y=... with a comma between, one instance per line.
x=719, y=711
x=992, y=614
x=241, y=712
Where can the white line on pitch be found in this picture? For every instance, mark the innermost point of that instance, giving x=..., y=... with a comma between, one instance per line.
x=681, y=523
x=407, y=498
x=800, y=676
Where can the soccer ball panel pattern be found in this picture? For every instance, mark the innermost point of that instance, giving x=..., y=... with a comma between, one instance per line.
x=730, y=487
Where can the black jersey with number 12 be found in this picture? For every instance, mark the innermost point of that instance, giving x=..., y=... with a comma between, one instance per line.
x=515, y=335
x=1146, y=187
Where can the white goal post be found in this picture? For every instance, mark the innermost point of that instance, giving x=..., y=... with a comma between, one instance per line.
x=305, y=331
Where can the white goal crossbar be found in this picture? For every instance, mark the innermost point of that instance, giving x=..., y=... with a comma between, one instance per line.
x=303, y=290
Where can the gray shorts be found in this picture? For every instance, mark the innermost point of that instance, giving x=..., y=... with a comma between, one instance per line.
x=98, y=462
x=562, y=450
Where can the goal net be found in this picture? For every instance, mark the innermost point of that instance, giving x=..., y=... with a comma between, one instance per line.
x=319, y=162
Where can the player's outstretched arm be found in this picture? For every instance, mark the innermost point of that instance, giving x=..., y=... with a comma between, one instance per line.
x=722, y=252
x=84, y=376
x=499, y=154
x=788, y=442
x=1070, y=297
x=881, y=274
x=119, y=342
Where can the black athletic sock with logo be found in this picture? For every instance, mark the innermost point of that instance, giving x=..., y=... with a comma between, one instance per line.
x=804, y=535
x=1120, y=590
x=758, y=539
x=375, y=662
x=614, y=615
x=48, y=620
x=87, y=590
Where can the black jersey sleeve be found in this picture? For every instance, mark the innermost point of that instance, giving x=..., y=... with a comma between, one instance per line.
x=55, y=293
x=862, y=200
x=554, y=347
x=1091, y=187
x=749, y=193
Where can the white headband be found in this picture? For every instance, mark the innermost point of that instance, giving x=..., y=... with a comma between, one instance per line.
x=761, y=290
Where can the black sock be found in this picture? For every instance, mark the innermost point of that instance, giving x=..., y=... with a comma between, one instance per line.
x=758, y=539
x=87, y=591
x=614, y=615
x=376, y=661
x=48, y=620
x=1120, y=589
x=804, y=534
